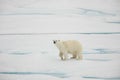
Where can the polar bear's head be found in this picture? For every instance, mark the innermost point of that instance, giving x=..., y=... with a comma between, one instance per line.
x=58, y=43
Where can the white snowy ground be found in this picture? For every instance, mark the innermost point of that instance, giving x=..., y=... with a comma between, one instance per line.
x=47, y=66
x=59, y=16
x=27, y=28
x=28, y=57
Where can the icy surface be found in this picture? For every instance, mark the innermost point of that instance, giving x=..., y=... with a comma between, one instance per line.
x=36, y=57
x=27, y=28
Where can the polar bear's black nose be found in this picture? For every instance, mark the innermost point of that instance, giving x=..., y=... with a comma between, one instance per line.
x=54, y=42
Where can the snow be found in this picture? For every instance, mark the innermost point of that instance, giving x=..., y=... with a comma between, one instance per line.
x=56, y=24
x=64, y=16
x=47, y=66
x=36, y=57
x=28, y=27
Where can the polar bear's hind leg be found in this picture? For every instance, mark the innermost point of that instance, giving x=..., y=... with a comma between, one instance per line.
x=79, y=56
x=73, y=56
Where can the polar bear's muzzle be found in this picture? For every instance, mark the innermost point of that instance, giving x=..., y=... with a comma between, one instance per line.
x=55, y=41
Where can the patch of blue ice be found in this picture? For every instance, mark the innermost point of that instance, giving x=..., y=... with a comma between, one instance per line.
x=65, y=12
x=106, y=51
x=57, y=74
x=92, y=12
x=115, y=22
x=20, y=53
x=99, y=59
x=103, y=78
x=102, y=51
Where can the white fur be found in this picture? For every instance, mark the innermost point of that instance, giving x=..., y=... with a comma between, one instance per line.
x=69, y=47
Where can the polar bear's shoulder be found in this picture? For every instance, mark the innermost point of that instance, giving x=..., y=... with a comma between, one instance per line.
x=71, y=42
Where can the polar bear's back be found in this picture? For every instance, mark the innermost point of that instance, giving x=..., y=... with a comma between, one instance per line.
x=73, y=45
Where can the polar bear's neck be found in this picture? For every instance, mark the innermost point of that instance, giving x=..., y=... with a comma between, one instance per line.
x=60, y=45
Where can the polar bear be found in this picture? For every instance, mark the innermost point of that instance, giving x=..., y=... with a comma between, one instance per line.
x=70, y=46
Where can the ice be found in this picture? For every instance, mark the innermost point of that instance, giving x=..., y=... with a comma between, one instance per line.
x=28, y=28
x=36, y=57
x=47, y=65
